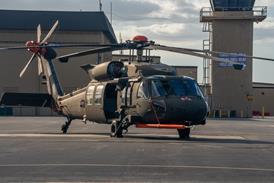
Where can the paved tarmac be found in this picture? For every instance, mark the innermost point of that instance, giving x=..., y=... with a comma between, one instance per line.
x=34, y=150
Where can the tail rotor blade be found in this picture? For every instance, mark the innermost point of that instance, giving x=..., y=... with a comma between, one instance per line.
x=50, y=32
x=40, y=66
x=27, y=65
x=39, y=33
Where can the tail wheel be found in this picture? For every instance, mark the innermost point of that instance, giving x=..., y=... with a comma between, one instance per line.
x=184, y=133
x=64, y=128
x=116, y=129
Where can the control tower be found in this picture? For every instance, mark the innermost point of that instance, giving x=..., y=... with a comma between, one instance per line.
x=230, y=23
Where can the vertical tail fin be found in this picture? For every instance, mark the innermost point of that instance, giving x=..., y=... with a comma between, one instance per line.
x=53, y=84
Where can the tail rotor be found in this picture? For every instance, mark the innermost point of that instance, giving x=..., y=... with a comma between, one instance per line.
x=36, y=47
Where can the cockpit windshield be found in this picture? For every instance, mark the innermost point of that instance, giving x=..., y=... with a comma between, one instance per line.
x=175, y=87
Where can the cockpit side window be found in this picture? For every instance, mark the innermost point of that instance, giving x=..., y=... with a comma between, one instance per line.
x=158, y=88
x=192, y=88
x=141, y=91
x=200, y=93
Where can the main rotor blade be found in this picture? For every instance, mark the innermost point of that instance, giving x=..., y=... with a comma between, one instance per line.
x=39, y=33
x=53, y=45
x=245, y=56
x=188, y=52
x=106, y=48
x=56, y=45
x=14, y=48
x=27, y=65
x=65, y=58
x=225, y=53
x=50, y=32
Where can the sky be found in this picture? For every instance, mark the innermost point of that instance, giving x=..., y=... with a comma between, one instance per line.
x=168, y=22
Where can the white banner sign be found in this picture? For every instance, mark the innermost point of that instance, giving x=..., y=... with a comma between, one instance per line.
x=237, y=57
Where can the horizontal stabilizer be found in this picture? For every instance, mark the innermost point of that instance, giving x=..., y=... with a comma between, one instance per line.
x=27, y=99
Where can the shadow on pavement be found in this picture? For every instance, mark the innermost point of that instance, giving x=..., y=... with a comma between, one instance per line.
x=201, y=140
x=167, y=138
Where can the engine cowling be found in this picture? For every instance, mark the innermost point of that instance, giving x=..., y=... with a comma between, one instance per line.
x=106, y=71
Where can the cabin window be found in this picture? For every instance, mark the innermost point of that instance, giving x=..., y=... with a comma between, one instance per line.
x=129, y=96
x=98, y=95
x=123, y=97
x=126, y=96
x=90, y=95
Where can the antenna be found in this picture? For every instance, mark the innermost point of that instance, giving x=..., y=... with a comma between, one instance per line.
x=111, y=12
x=100, y=5
x=121, y=41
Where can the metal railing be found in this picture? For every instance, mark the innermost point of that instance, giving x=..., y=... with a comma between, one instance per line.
x=206, y=12
x=258, y=11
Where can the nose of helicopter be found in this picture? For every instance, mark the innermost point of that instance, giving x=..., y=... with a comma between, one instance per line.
x=186, y=108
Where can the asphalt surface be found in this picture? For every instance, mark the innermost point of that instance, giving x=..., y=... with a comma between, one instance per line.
x=34, y=150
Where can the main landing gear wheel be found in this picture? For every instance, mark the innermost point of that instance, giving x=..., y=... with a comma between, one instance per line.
x=116, y=129
x=65, y=126
x=184, y=133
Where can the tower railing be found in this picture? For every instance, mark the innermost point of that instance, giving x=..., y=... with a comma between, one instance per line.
x=259, y=13
x=206, y=12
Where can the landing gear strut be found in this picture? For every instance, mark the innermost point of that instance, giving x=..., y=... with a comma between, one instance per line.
x=116, y=129
x=184, y=133
x=65, y=126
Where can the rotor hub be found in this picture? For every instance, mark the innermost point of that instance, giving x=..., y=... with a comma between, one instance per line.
x=33, y=46
x=140, y=39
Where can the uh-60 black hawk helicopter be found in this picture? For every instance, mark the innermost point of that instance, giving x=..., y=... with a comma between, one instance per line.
x=134, y=92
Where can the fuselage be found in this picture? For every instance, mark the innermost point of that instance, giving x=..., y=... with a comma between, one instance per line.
x=153, y=99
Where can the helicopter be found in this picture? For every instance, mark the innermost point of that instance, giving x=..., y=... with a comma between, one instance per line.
x=120, y=93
